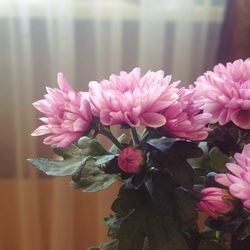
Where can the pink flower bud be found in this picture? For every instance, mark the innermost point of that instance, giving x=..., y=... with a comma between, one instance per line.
x=216, y=202
x=130, y=160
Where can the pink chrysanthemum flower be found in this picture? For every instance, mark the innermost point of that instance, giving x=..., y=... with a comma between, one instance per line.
x=238, y=181
x=184, y=118
x=68, y=114
x=216, y=202
x=225, y=93
x=133, y=99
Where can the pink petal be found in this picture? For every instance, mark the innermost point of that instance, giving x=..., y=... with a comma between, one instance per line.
x=78, y=125
x=68, y=140
x=223, y=179
x=240, y=191
x=131, y=119
x=246, y=203
x=63, y=83
x=246, y=150
x=234, y=169
x=210, y=212
x=43, y=106
x=42, y=130
x=153, y=120
x=241, y=118
x=246, y=177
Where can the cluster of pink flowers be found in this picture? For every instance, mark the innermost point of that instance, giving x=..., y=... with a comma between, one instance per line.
x=151, y=100
x=129, y=98
x=225, y=93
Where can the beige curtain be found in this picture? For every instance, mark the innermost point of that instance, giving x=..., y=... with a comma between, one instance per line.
x=87, y=40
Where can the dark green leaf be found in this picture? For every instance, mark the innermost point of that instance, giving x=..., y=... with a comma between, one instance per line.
x=113, y=245
x=225, y=226
x=138, y=221
x=163, y=234
x=174, y=161
x=162, y=144
x=92, y=179
x=237, y=244
x=211, y=245
x=214, y=160
x=139, y=179
x=58, y=167
x=244, y=230
x=183, y=175
x=186, y=150
x=185, y=207
x=104, y=159
x=217, y=160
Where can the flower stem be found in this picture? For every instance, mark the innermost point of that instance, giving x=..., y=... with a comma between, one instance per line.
x=144, y=134
x=134, y=136
x=111, y=137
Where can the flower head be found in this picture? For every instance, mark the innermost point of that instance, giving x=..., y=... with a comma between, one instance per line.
x=225, y=93
x=216, y=202
x=133, y=99
x=130, y=160
x=238, y=181
x=68, y=114
x=184, y=118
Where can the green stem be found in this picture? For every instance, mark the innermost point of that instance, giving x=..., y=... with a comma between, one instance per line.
x=134, y=136
x=145, y=134
x=111, y=138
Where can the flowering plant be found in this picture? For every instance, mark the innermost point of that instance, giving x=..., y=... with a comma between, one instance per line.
x=181, y=152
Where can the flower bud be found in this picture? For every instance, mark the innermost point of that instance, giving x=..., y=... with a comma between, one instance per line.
x=130, y=160
x=216, y=202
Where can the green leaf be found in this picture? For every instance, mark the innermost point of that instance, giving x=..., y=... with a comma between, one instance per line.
x=108, y=221
x=58, y=167
x=174, y=161
x=113, y=245
x=92, y=146
x=185, y=207
x=69, y=152
x=163, y=234
x=183, y=174
x=217, y=160
x=162, y=144
x=92, y=179
x=139, y=222
x=211, y=245
x=114, y=149
x=104, y=159
x=214, y=160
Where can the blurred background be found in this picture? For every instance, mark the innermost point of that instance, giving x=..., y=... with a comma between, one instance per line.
x=89, y=40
